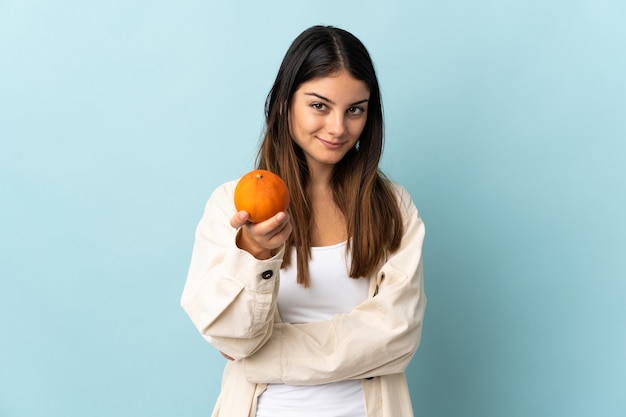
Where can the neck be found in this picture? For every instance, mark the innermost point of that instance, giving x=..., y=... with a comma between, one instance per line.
x=319, y=176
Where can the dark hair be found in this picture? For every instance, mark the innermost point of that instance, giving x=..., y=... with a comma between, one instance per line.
x=360, y=189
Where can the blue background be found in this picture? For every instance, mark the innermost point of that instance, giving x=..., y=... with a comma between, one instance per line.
x=505, y=120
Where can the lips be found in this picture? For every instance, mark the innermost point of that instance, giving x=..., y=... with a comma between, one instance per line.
x=331, y=145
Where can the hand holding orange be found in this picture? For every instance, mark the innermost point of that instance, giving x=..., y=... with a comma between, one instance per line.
x=262, y=194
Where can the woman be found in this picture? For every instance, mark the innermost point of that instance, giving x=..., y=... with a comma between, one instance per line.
x=319, y=309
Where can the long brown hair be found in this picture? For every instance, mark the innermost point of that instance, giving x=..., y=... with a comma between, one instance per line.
x=360, y=189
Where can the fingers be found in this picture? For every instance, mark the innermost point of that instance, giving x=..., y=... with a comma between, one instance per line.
x=271, y=233
x=273, y=229
x=260, y=238
x=274, y=224
x=239, y=219
x=282, y=231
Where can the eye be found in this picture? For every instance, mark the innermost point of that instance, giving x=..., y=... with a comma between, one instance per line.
x=356, y=110
x=319, y=106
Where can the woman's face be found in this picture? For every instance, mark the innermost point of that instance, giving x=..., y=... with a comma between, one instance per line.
x=327, y=117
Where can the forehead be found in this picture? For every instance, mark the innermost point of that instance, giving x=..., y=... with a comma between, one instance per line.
x=339, y=86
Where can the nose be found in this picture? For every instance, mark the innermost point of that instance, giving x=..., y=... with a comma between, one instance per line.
x=336, y=124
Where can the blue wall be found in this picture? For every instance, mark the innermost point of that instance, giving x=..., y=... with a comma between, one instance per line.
x=505, y=122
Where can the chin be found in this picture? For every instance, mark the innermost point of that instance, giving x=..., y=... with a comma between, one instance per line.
x=331, y=161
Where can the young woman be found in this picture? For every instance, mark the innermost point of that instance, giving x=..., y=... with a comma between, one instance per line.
x=319, y=309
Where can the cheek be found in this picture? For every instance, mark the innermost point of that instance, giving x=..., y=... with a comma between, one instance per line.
x=297, y=124
x=303, y=123
x=298, y=128
x=356, y=128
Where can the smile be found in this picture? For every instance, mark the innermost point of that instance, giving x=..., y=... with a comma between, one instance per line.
x=331, y=145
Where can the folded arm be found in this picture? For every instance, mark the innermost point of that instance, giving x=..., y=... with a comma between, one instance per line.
x=380, y=336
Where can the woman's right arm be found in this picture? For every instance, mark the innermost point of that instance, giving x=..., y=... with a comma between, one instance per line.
x=229, y=294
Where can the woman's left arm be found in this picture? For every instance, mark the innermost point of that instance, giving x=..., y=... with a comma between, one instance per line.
x=378, y=337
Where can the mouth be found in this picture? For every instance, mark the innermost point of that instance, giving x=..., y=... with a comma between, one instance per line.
x=331, y=145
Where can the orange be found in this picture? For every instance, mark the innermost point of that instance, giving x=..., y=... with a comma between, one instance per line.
x=262, y=194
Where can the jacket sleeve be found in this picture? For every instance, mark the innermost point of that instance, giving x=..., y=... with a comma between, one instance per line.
x=378, y=337
x=229, y=295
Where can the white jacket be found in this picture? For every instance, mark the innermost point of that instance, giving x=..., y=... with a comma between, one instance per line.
x=231, y=298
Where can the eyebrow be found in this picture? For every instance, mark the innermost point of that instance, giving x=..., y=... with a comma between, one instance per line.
x=321, y=97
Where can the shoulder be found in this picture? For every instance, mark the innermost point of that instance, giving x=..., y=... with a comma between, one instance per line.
x=399, y=190
x=221, y=199
x=403, y=197
x=224, y=191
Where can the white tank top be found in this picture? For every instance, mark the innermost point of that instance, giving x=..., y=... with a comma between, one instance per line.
x=331, y=291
